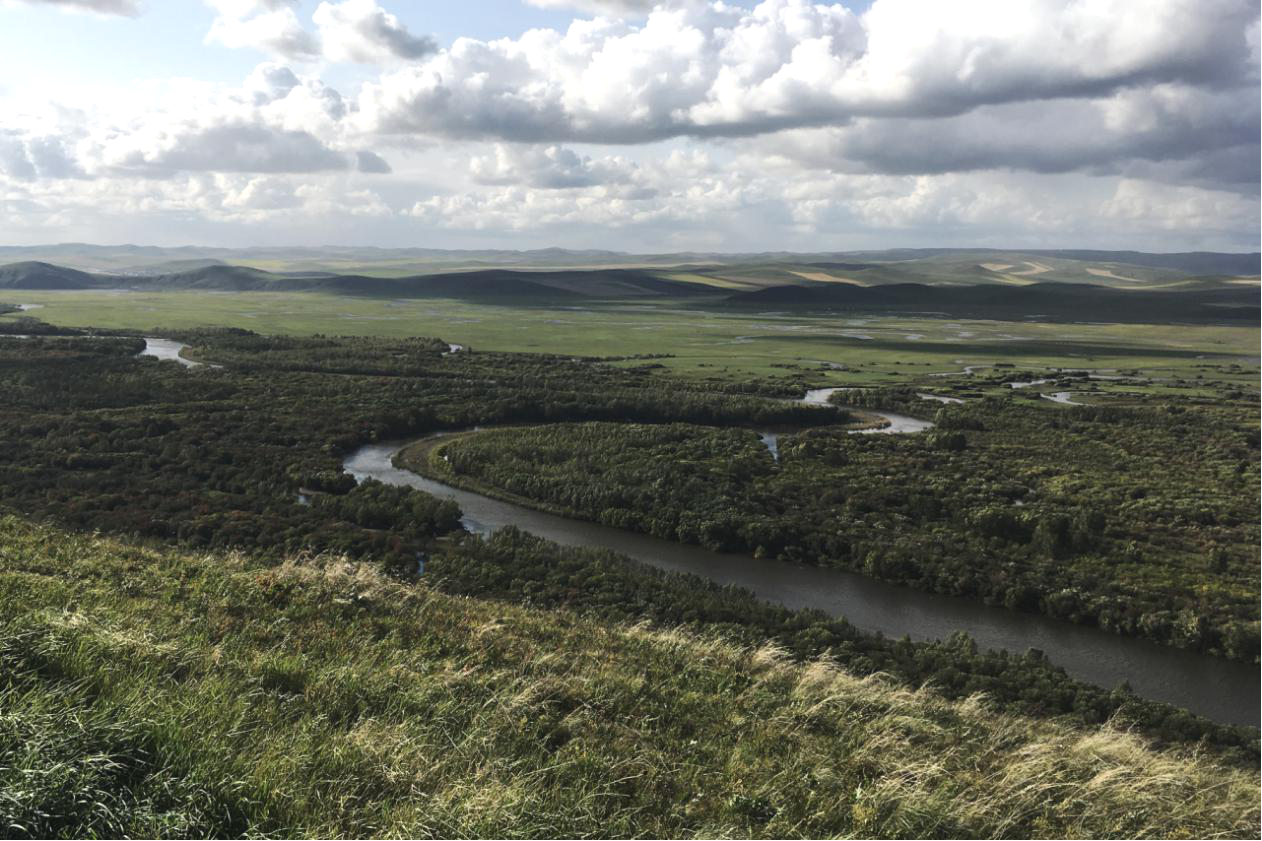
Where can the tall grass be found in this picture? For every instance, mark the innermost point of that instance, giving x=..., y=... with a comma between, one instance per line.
x=164, y=694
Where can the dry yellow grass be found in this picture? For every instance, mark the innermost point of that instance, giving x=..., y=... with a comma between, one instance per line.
x=824, y=277
x=1034, y=268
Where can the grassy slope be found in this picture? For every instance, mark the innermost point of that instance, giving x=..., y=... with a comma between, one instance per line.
x=166, y=694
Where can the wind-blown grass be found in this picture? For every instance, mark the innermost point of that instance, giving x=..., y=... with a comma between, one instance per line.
x=162, y=693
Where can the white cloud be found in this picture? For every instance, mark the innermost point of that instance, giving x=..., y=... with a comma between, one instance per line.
x=789, y=125
x=358, y=31
x=227, y=147
x=126, y=8
x=276, y=122
x=624, y=8
x=548, y=167
x=245, y=8
x=277, y=32
x=361, y=31
x=718, y=70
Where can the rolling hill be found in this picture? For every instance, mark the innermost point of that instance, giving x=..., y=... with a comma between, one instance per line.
x=827, y=285
x=37, y=275
x=500, y=284
x=748, y=271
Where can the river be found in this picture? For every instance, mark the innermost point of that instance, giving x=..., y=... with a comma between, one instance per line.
x=1218, y=689
x=167, y=349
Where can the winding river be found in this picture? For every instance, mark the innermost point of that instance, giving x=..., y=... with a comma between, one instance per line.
x=1220, y=690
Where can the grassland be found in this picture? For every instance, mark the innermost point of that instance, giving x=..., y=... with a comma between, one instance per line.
x=700, y=343
x=159, y=693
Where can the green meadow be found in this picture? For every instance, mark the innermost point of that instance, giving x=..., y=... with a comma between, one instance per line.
x=699, y=342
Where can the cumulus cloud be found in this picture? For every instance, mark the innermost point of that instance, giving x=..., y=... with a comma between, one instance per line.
x=1158, y=124
x=275, y=30
x=231, y=147
x=29, y=156
x=747, y=205
x=357, y=31
x=276, y=122
x=787, y=125
x=719, y=70
x=361, y=31
x=548, y=167
x=626, y=8
x=244, y=8
x=127, y=8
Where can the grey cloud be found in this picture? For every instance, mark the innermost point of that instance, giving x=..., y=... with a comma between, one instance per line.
x=14, y=160
x=1235, y=169
x=371, y=162
x=26, y=158
x=235, y=148
x=270, y=82
x=1157, y=125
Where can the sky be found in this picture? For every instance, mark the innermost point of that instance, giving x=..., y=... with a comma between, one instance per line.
x=684, y=125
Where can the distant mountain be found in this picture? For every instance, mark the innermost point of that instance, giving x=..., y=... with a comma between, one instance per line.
x=485, y=284
x=37, y=275
x=917, y=265
x=823, y=285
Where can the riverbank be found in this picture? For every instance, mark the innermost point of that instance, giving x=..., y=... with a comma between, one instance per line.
x=1221, y=690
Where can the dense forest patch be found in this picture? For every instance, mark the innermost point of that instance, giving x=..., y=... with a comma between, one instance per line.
x=1139, y=520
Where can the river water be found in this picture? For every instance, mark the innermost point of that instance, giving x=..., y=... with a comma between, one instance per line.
x=167, y=349
x=1220, y=690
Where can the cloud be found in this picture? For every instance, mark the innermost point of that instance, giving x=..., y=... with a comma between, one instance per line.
x=27, y=157
x=126, y=8
x=276, y=122
x=622, y=8
x=366, y=161
x=231, y=147
x=276, y=31
x=1162, y=123
x=719, y=70
x=549, y=168
x=357, y=31
x=745, y=205
x=245, y=8
x=791, y=125
x=361, y=31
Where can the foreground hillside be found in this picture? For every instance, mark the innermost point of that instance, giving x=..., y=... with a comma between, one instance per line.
x=159, y=693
